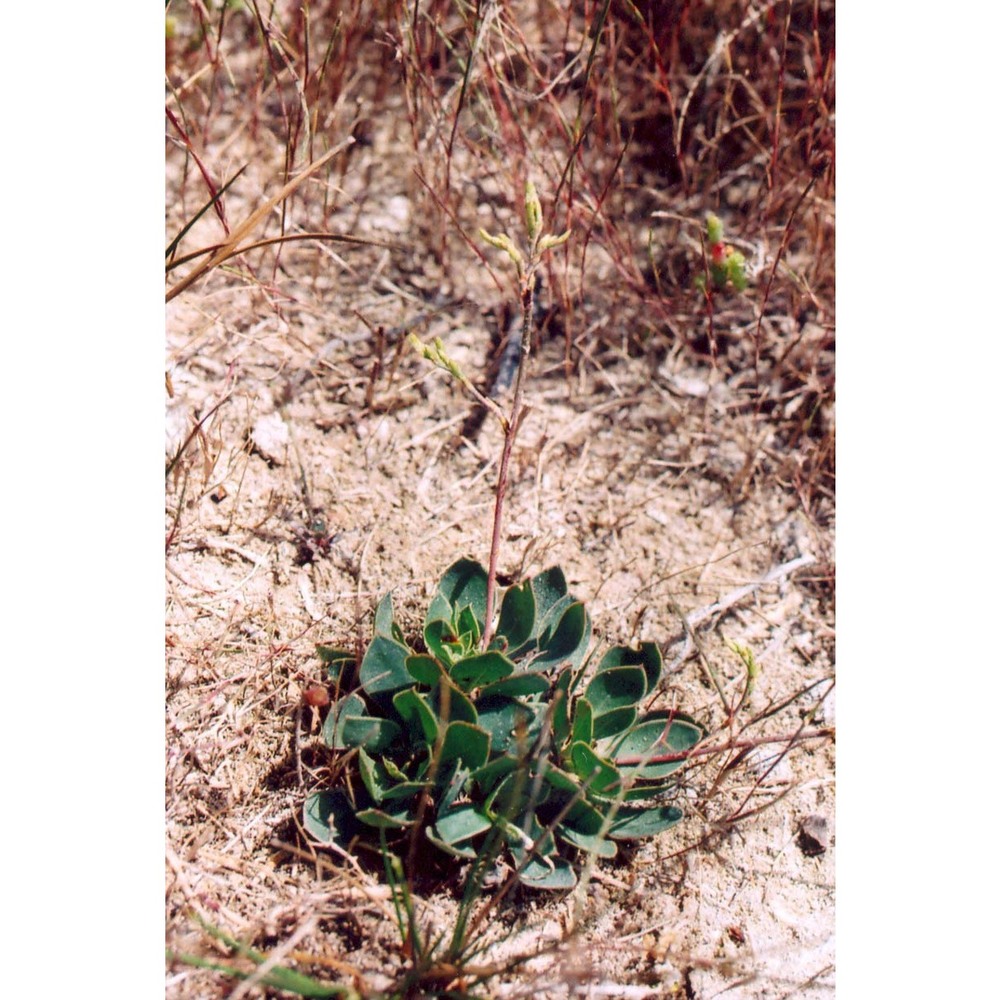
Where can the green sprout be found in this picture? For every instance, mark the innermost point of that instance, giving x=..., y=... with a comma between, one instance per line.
x=726, y=266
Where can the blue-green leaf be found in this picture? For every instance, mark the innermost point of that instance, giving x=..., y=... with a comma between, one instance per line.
x=616, y=687
x=567, y=642
x=383, y=669
x=490, y=775
x=329, y=817
x=374, y=735
x=466, y=851
x=479, y=669
x=417, y=715
x=501, y=717
x=548, y=873
x=618, y=720
x=634, y=823
x=461, y=823
x=517, y=617
x=385, y=820
x=424, y=669
x=453, y=779
x=468, y=628
x=404, y=790
x=463, y=585
x=338, y=663
x=449, y=704
x=516, y=686
x=547, y=588
x=562, y=781
x=599, y=775
x=582, y=826
x=466, y=743
x=646, y=656
x=374, y=781
x=583, y=722
x=383, y=617
x=441, y=640
x=657, y=733
x=333, y=726
x=560, y=707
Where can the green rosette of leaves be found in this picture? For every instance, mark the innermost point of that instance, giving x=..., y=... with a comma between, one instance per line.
x=521, y=743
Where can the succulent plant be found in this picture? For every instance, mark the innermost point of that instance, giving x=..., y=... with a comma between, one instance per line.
x=462, y=741
x=727, y=267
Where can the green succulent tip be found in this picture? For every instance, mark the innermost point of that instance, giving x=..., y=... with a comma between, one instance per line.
x=714, y=225
x=550, y=241
x=532, y=211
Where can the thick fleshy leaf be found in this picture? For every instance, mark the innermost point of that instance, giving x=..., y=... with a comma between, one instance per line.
x=489, y=776
x=383, y=618
x=567, y=642
x=405, y=790
x=548, y=873
x=545, y=624
x=384, y=819
x=465, y=851
x=634, y=824
x=454, y=778
x=468, y=628
x=482, y=668
x=374, y=735
x=562, y=781
x=449, y=704
x=373, y=774
x=656, y=733
x=394, y=772
x=383, y=669
x=598, y=775
x=333, y=726
x=616, y=687
x=463, y=585
x=441, y=640
x=547, y=588
x=646, y=656
x=338, y=663
x=618, y=720
x=582, y=827
x=466, y=743
x=515, y=686
x=544, y=869
x=420, y=721
x=530, y=834
x=423, y=669
x=560, y=709
x=329, y=817
x=510, y=797
x=503, y=718
x=583, y=722
x=517, y=616
x=461, y=823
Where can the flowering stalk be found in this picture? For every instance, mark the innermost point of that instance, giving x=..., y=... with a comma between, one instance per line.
x=526, y=265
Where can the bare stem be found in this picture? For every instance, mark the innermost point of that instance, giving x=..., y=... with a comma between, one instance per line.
x=511, y=427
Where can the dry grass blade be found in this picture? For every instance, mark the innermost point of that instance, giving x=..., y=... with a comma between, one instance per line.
x=232, y=246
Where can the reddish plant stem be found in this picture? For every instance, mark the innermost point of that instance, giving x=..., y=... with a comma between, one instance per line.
x=510, y=430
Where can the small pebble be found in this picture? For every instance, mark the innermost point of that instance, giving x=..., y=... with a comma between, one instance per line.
x=814, y=835
x=270, y=438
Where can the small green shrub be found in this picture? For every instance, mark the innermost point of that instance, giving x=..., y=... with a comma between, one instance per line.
x=457, y=743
